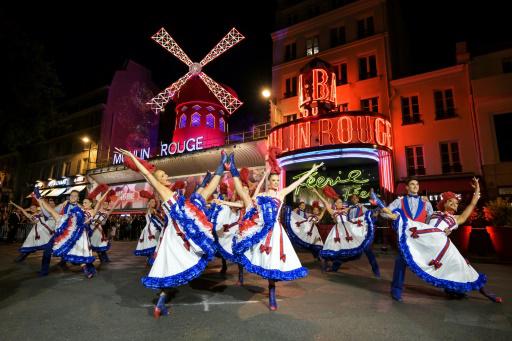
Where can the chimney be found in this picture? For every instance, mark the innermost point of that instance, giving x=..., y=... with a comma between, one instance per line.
x=461, y=52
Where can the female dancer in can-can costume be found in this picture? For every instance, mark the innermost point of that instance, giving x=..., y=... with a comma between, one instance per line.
x=71, y=240
x=261, y=244
x=40, y=234
x=100, y=242
x=94, y=230
x=184, y=250
x=226, y=218
x=347, y=239
x=303, y=230
x=431, y=255
x=151, y=233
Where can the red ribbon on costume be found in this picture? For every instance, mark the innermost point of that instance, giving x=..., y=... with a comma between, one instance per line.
x=266, y=247
x=437, y=262
x=180, y=233
x=415, y=233
x=228, y=226
x=282, y=256
x=348, y=237
x=313, y=225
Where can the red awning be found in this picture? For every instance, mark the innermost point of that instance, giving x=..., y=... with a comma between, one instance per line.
x=437, y=186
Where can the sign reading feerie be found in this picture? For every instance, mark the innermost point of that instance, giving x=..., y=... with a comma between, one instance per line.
x=338, y=130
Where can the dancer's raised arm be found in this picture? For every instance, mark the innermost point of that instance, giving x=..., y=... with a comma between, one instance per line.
x=287, y=190
x=260, y=184
x=158, y=180
x=469, y=209
x=326, y=203
x=22, y=210
x=98, y=204
x=46, y=206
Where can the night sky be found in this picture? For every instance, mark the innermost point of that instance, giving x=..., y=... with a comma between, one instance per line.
x=90, y=40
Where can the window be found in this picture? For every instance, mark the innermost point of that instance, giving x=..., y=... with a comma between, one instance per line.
x=506, y=64
x=291, y=87
x=370, y=104
x=67, y=169
x=79, y=167
x=312, y=46
x=292, y=18
x=222, y=125
x=196, y=107
x=210, y=121
x=183, y=121
x=414, y=160
x=196, y=120
x=502, y=124
x=290, y=52
x=450, y=159
x=367, y=67
x=343, y=107
x=444, y=104
x=338, y=36
x=410, y=110
x=365, y=28
x=85, y=163
x=341, y=74
x=290, y=118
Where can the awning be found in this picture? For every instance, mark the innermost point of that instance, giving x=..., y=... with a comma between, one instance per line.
x=248, y=154
x=56, y=192
x=75, y=188
x=437, y=186
x=42, y=192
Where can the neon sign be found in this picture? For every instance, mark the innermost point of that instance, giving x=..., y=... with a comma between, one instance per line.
x=353, y=183
x=317, y=91
x=341, y=129
x=195, y=143
x=143, y=154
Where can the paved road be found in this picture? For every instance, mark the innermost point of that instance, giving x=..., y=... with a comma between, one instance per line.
x=348, y=305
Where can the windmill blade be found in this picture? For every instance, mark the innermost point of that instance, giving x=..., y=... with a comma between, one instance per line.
x=158, y=102
x=231, y=39
x=229, y=102
x=163, y=38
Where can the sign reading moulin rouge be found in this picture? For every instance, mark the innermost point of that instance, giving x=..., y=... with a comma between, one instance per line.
x=332, y=129
x=166, y=149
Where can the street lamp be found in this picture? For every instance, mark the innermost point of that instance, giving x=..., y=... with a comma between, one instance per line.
x=86, y=140
x=266, y=93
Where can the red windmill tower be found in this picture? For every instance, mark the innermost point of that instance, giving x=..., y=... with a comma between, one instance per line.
x=202, y=105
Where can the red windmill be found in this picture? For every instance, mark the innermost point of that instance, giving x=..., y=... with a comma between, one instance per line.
x=201, y=101
x=195, y=69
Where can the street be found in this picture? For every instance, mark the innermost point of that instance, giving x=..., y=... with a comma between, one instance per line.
x=348, y=305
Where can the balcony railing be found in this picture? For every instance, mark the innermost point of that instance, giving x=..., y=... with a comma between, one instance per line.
x=257, y=132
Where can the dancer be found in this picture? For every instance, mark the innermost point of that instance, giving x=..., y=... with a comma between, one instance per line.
x=301, y=210
x=100, y=242
x=226, y=219
x=303, y=228
x=417, y=209
x=261, y=244
x=184, y=251
x=150, y=235
x=428, y=251
x=347, y=239
x=40, y=234
x=71, y=241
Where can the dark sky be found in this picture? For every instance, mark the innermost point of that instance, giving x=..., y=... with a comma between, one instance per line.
x=89, y=40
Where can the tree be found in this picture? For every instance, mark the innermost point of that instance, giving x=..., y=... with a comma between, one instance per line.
x=29, y=88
